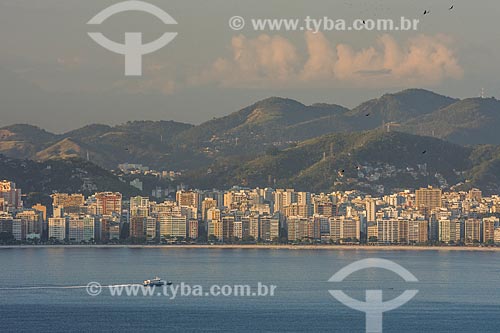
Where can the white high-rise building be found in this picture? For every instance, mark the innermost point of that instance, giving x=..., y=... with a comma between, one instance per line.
x=57, y=228
x=173, y=225
x=81, y=228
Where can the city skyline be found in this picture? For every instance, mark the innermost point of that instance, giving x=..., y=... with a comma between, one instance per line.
x=427, y=216
x=249, y=166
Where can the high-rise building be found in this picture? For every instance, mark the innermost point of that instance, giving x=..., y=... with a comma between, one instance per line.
x=75, y=229
x=472, y=230
x=371, y=210
x=188, y=198
x=206, y=205
x=57, y=228
x=213, y=215
x=325, y=209
x=351, y=229
x=297, y=228
x=450, y=230
x=343, y=228
x=283, y=198
x=305, y=202
x=218, y=230
x=392, y=230
x=238, y=229
x=114, y=231
x=139, y=206
x=150, y=228
x=434, y=217
x=324, y=226
x=189, y=211
x=33, y=221
x=274, y=228
x=10, y=195
x=109, y=203
x=227, y=227
x=137, y=227
x=88, y=228
x=428, y=198
x=242, y=227
x=314, y=229
x=335, y=226
x=41, y=208
x=70, y=203
x=193, y=232
x=298, y=210
x=173, y=226
x=488, y=232
x=19, y=229
x=5, y=223
x=81, y=228
x=254, y=225
x=100, y=230
x=372, y=232
x=265, y=228
x=418, y=231
x=497, y=235
x=239, y=200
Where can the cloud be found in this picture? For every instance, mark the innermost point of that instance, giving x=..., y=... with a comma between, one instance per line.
x=426, y=58
x=275, y=61
x=263, y=59
x=322, y=58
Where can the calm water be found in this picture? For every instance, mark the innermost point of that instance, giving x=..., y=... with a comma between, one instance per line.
x=459, y=291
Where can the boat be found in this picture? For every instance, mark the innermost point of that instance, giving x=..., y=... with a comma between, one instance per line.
x=156, y=282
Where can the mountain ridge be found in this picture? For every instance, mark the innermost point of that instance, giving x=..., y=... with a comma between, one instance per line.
x=245, y=134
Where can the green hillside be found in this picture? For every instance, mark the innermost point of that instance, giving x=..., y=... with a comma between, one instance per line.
x=470, y=121
x=70, y=176
x=368, y=161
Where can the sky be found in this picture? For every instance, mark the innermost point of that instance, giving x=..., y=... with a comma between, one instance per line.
x=52, y=74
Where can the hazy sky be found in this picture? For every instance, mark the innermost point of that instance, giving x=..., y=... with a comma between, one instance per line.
x=53, y=75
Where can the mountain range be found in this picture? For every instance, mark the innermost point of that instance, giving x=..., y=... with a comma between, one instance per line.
x=282, y=142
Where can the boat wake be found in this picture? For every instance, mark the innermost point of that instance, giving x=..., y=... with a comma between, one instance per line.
x=67, y=287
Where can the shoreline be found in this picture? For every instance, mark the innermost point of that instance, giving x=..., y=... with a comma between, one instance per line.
x=267, y=247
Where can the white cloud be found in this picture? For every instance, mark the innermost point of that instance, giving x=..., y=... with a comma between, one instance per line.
x=275, y=61
x=263, y=59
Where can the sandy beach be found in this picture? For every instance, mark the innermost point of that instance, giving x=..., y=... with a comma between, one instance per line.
x=273, y=247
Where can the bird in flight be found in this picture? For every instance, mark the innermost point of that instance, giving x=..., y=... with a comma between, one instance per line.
x=425, y=151
x=452, y=6
x=426, y=12
x=367, y=114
